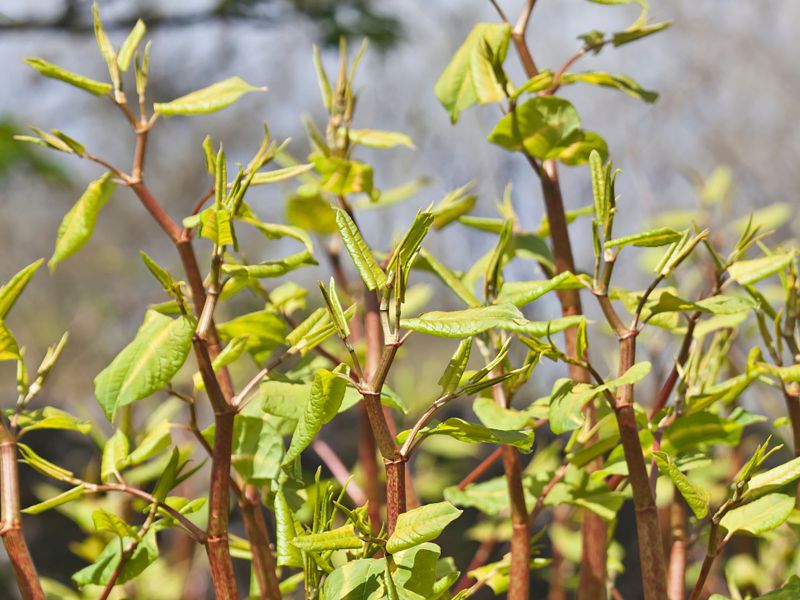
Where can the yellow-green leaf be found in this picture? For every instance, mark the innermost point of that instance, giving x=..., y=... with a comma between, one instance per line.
x=207, y=100
x=98, y=88
x=78, y=224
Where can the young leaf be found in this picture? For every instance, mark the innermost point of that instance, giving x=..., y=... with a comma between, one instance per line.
x=544, y=127
x=647, y=239
x=622, y=83
x=98, y=88
x=748, y=272
x=271, y=268
x=101, y=571
x=75, y=493
x=257, y=448
x=15, y=286
x=106, y=49
x=520, y=293
x=473, y=433
x=147, y=364
x=455, y=368
x=287, y=554
x=9, y=350
x=78, y=224
x=207, y=100
x=421, y=524
x=774, y=478
x=470, y=77
x=280, y=174
x=759, y=516
x=327, y=393
x=372, y=138
x=341, y=538
x=359, y=251
x=115, y=453
x=130, y=44
x=51, y=418
x=695, y=497
x=467, y=322
x=335, y=308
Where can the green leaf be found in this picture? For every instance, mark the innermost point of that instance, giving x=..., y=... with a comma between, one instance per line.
x=373, y=138
x=78, y=224
x=327, y=393
x=9, y=350
x=44, y=466
x=335, y=308
x=494, y=416
x=718, y=305
x=567, y=400
x=341, y=538
x=748, y=272
x=272, y=268
x=470, y=76
x=788, y=591
x=520, y=293
x=216, y=225
x=147, y=364
x=341, y=177
x=420, y=525
x=288, y=555
x=759, y=516
x=265, y=177
x=359, y=579
x=455, y=368
x=263, y=329
x=75, y=493
x=51, y=418
x=454, y=205
x=257, y=449
x=359, y=251
x=101, y=571
x=775, y=478
x=115, y=452
x=544, y=328
x=168, y=477
x=473, y=433
x=637, y=31
x=544, y=127
x=98, y=88
x=700, y=431
x=15, y=286
x=467, y=322
x=579, y=149
x=696, y=498
x=622, y=83
x=490, y=496
x=311, y=212
x=106, y=49
x=207, y=100
x=106, y=521
x=647, y=239
x=130, y=44
x=155, y=441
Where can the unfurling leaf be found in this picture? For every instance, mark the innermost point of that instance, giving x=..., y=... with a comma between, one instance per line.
x=695, y=497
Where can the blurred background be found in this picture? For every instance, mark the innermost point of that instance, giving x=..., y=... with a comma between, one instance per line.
x=727, y=79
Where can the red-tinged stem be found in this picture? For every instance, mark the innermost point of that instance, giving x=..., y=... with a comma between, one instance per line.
x=594, y=531
x=481, y=557
x=11, y=525
x=677, y=555
x=481, y=469
x=219, y=556
x=651, y=553
x=256, y=529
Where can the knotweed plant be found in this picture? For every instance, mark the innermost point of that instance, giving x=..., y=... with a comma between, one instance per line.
x=214, y=412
